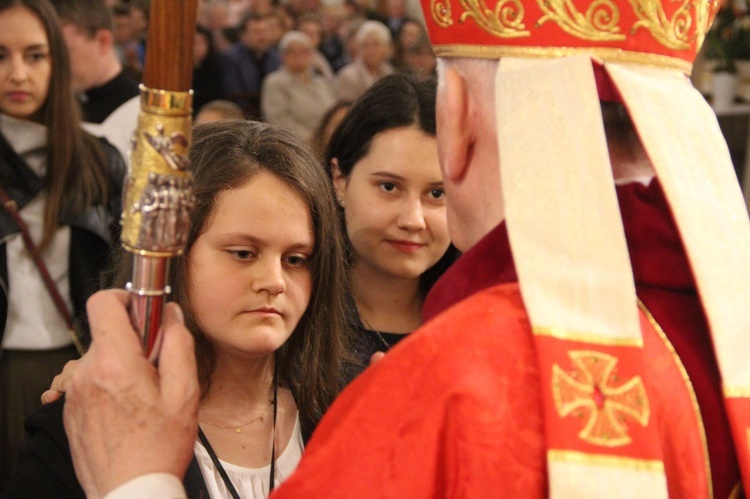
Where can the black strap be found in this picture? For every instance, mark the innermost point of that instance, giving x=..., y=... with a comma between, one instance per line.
x=220, y=468
x=273, y=435
x=217, y=463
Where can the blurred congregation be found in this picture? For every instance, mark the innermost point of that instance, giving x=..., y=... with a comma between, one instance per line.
x=296, y=64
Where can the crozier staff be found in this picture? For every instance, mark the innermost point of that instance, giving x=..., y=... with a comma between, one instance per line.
x=158, y=196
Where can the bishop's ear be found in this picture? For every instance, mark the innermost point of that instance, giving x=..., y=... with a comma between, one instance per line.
x=454, y=131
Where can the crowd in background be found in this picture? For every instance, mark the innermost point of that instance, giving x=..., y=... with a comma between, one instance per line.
x=287, y=64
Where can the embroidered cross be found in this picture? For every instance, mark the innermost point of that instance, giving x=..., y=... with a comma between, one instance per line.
x=593, y=391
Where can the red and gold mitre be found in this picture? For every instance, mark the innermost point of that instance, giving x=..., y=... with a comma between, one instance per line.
x=665, y=33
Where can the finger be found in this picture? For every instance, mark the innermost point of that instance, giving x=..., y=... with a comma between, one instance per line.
x=376, y=357
x=109, y=318
x=177, y=367
x=50, y=396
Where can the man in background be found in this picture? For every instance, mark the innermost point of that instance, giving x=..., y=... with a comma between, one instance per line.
x=108, y=95
x=248, y=62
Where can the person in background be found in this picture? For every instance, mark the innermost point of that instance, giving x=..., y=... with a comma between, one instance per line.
x=328, y=124
x=374, y=48
x=238, y=9
x=109, y=96
x=418, y=59
x=128, y=46
x=277, y=26
x=332, y=45
x=219, y=110
x=385, y=170
x=208, y=71
x=261, y=284
x=135, y=57
x=215, y=18
x=395, y=15
x=311, y=25
x=66, y=187
x=295, y=96
x=248, y=62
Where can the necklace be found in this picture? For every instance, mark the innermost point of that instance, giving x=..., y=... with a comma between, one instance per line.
x=217, y=463
x=377, y=333
x=236, y=428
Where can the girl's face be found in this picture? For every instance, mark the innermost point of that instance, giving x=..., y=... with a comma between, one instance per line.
x=394, y=204
x=25, y=63
x=249, y=279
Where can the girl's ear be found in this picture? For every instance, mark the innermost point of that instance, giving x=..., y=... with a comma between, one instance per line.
x=339, y=181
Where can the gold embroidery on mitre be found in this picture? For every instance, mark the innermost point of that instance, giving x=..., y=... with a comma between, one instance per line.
x=672, y=33
x=598, y=23
x=505, y=20
x=593, y=391
x=441, y=12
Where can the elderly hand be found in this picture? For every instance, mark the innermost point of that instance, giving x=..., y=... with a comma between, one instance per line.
x=60, y=382
x=124, y=417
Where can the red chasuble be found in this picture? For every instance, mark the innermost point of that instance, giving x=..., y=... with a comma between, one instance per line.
x=456, y=409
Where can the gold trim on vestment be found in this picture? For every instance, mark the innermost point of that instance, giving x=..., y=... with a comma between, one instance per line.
x=563, y=334
x=691, y=391
x=569, y=456
x=736, y=392
x=603, y=53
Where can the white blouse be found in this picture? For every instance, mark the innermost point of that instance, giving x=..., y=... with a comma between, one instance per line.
x=250, y=482
x=33, y=320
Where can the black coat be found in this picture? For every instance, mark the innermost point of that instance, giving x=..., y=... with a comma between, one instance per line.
x=93, y=233
x=45, y=466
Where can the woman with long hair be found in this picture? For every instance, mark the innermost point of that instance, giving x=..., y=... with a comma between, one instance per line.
x=60, y=216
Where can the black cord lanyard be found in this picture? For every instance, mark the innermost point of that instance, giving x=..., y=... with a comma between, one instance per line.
x=220, y=468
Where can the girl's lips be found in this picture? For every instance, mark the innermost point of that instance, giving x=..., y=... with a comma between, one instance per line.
x=265, y=311
x=17, y=96
x=406, y=246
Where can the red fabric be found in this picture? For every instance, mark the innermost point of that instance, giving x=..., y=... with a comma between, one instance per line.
x=384, y=437
x=468, y=423
x=526, y=25
x=400, y=429
x=666, y=286
x=664, y=283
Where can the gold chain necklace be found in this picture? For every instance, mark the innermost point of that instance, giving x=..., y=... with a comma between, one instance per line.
x=236, y=428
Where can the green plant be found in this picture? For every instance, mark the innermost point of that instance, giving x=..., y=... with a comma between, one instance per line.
x=728, y=40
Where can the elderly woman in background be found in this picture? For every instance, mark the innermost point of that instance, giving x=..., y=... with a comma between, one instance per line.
x=374, y=47
x=295, y=96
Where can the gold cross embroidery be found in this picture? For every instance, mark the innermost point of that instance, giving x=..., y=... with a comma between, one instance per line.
x=592, y=391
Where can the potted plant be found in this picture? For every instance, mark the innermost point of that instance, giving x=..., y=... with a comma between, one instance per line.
x=727, y=44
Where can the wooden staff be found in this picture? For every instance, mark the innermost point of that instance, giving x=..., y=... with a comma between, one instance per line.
x=159, y=190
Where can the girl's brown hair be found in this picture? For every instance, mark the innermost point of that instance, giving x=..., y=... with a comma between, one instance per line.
x=224, y=155
x=75, y=177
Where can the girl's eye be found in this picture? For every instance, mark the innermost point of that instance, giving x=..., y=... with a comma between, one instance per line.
x=388, y=186
x=37, y=56
x=437, y=193
x=297, y=260
x=241, y=254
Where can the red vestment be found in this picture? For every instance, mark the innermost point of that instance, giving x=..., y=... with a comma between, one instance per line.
x=456, y=408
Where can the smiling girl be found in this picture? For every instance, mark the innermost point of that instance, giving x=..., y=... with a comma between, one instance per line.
x=261, y=287
x=384, y=163
x=64, y=186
